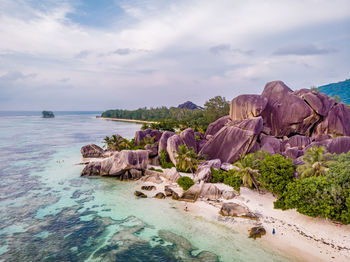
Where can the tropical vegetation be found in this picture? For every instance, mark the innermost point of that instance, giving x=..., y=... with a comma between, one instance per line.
x=185, y=182
x=316, y=162
x=187, y=159
x=176, y=118
x=164, y=159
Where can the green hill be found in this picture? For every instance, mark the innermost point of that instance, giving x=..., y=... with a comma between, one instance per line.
x=341, y=89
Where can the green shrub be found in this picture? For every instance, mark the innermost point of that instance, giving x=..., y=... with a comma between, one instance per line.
x=275, y=173
x=156, y=169
x=229, y=178
x=233, y=181
x=325, y=196
x=217, y=176
x=164, y=159
x=185, y=182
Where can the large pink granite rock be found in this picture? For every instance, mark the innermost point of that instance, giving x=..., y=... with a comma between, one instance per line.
x=215, y=127
x=189, y=138
x=320, y=103
x=162, y=144
x=91, y=150
x=254, y=124
x=336, y=145
x=173, y=144
x=229, y=144
x=247, y=106
x=270, y=144
x=141, y=134
x=287, y=113
x=337, y=122
x=299, y=141
x=118, y=163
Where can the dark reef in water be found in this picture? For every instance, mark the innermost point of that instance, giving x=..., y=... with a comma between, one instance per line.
x=48, y=114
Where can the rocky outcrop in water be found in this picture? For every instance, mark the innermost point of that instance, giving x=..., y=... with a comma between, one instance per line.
x=140, y=194
x=48, y=114
x=118, y=164
x=91, y=150
x=159, y=195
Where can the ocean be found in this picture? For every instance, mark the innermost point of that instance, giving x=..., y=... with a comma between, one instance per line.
x=50, y=213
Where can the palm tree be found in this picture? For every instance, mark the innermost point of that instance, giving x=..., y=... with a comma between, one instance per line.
x=187, y=159
x=247, y=172
x=316, y=162
x=113, y=143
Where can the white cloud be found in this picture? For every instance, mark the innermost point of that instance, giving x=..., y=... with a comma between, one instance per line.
x=158, y=47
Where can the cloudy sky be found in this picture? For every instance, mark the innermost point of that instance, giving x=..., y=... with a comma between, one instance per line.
x=103, y=54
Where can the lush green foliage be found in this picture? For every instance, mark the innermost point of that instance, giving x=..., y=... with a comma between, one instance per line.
x=316, y=162
x=218, y=176
x=118, y=143
x=187, y=159
x=164, y=159
x=173, y=118
x=229, y=178
x=156, y=169
x=185, y=182
x=340, y=89
x=325, y=196
x=275, y=173
x=233, y=180
x=247, y=172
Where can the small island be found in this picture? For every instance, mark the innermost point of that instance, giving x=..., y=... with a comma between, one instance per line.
x=48, y=114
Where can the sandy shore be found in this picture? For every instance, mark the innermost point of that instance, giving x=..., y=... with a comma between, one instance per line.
x=128, y=120
x=299, y=237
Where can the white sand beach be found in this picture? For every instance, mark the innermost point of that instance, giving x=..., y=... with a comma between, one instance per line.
x=297, y=236
x=129, y=120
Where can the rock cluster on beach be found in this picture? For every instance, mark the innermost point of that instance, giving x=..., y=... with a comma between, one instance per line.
x=279, y=121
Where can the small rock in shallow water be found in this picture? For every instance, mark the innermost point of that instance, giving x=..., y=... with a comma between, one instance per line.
x=255, y=232
x=168, y=191
x=160, y=195
x=148, y=188
x=175, y=196
x=140, y=194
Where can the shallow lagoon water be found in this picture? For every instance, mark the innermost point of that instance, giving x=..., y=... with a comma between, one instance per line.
x=50, y=213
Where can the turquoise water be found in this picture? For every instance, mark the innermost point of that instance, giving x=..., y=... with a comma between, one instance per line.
x=50, y=213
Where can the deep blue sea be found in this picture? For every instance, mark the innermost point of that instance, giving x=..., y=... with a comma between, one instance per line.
x=50, y=213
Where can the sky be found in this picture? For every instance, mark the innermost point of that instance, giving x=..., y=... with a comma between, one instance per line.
x=107, y=54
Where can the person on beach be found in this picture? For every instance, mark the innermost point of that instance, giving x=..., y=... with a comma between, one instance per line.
x=186, y=207
x=273, y=231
